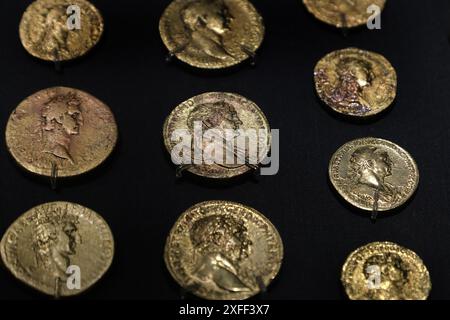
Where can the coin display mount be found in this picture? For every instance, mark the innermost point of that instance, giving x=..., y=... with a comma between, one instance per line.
x=45, y=34
x=41, y=245
x=213, y=107
x=373, y=174
x=356, y=83
x=61, y=132
x=343, y=13
x=221, y=250
x=385, y=271
x=212, y=34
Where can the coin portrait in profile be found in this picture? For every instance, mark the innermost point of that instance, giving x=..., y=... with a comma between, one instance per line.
x=61, y=120
x=368, y=169
x=55, y=33
x=220, y=244
x=215, y=115
x=394, y=276
x=206, y=22
x=55, y=240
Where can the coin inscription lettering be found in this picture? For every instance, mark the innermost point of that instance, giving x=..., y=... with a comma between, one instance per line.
x=212, y=34
x=223, y=250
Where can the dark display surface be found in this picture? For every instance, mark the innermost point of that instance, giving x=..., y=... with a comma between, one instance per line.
x=136, y=190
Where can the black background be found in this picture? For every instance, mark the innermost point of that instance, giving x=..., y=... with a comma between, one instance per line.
x=136, y=190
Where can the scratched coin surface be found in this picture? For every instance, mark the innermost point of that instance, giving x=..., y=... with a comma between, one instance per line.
x=237, y=127
x=344, y=13
x=211, y=34
x=63, y=129
x=385, y=271
x=54, y=241
x=372, y=173
x=49, y=29
x=222, y=250
x=356, y=82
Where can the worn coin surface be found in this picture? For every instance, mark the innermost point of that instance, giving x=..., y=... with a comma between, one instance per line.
x=61, y=128
x=230, y=119
x=372, y=173
x=343, y=13
x=385, y=271
x=356, y=82
x=49, y=30
x=222, y=250
x=54, y=241
x=211, y=34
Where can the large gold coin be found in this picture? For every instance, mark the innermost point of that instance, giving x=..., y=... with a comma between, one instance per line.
x=385, y=271
x=61, y=128
x=374, y=174
x=45, y=33
x=343, y=13
x=356, y=82
x=58, y=248
x=232, y=117
x=211, y=34
x=222, y=250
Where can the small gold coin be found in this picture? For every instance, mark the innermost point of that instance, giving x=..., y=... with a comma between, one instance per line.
x=61, y=128
x=343, y=13
x=374, y=174
x=56, y=245
x=49, y=29
x=232, y=118
x=356, y=82
x=211, y=34
x=222, y=250
x=385, y=271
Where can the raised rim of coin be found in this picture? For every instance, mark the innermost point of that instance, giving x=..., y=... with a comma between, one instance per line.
x=388, y=72
x=177, y=227
x=339, y=22
x=197, y=169
x=337, y=157
x=30, y=46
x=27, y=164
x=357, y=256
x=21, y=273
x=215, y=59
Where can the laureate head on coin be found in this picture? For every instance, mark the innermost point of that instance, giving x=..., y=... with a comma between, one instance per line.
x=60, y=30
x=211, y=34
x=356, y=82
x=61, y=128
x=385, y=271
x=222, y=250
x=53, y=241
x=374, y=173
x=343, y=13
x=217, y=135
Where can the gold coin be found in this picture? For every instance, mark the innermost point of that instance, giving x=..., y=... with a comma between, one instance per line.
x=233, y=118
x=48, y=29
x=343, y=13
x=356, y=82
x=61, y=128
x=211, y=34
x=55, y=246
x=385, y=271
x=222, y=250
x=373, y=173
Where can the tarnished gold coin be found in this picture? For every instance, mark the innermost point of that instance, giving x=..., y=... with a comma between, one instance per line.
x=356, y=82
x=343, y=13
x=374, y=174
x=223, y=250
x=211, y=34
x=58, y=248
x=385, y=271
x=61, y=129
x=60, y=30
x=218, y=122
